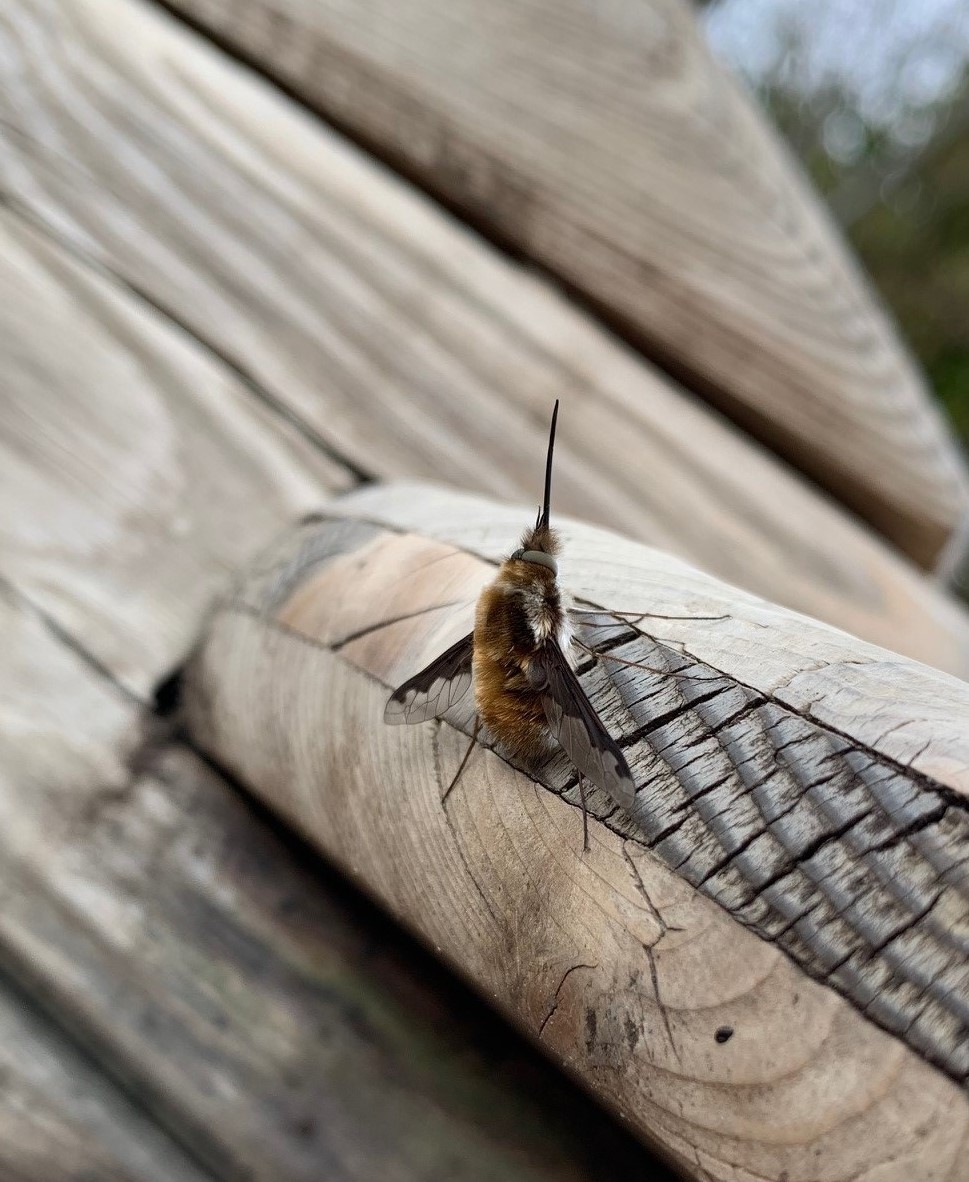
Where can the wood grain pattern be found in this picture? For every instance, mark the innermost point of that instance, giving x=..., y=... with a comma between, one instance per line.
x=136, y=473
x=603, y=141
x=62, y=1121
x=397, y=338
x=801, y=818
x=278, y=1027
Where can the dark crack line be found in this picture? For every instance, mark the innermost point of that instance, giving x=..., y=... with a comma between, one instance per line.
x=261, y=393
x=913, y=827
x=690, y=802
x=669, y=831
x=739, y=715
x=641, y=888
x=911, y=921
x=555, y=1000
x=797, y=858
x=905, y=770
x=638, y=616
x=442, y=796
x=659, y=1001
x=671, y=715
x=648, y=948
x=371, y=628
x=685, y=672
x=19, y=598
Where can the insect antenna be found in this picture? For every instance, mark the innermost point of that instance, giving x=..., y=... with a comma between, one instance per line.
x=542, y=519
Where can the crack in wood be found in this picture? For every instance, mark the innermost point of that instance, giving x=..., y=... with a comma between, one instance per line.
x=671, y=715
x=916, y=826
x=106, y=268
x=443, y=797
x=651, y=961
x=555, y=999
x=878, y=757
x=12, y=592
x=360, y=633
x=644, y=893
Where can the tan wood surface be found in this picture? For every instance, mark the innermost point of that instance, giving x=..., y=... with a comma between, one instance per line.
x=62, y=1121
x=603, y=141
x=399, y=340
x=275, y=1024
x=793, y=870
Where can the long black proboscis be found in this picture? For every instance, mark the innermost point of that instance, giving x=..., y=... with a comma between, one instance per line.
x=543, y=514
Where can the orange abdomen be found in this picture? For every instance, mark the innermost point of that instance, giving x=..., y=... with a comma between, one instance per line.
x=507, y=703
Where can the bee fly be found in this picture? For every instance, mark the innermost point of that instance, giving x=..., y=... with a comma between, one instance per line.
x=517, y=660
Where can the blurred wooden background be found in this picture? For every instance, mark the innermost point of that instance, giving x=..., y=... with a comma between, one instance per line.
x=251, y=259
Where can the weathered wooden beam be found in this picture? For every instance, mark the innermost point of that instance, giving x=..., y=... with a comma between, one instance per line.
x=605, y=142
x=277, y=1026
x=763, y=965
x=61, y=1120
x=396, y=337
x=136, y=472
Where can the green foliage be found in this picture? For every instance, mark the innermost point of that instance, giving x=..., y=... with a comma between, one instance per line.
x=874, y=100
x=915, y=246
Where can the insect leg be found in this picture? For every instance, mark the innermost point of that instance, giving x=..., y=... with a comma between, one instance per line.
x=467, y=756
x=636, y=617
x=637, y=664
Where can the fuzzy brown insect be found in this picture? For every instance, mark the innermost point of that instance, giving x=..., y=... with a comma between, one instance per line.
x=516, y=659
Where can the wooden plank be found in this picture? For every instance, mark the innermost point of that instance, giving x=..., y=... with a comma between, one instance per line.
x=398, y=337
x=604, y=142
x=762, y=966
x=62, y=1121
x=137, y=472
x=280, y=1028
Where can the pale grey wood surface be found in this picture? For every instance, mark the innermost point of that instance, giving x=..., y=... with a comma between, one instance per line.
x=400, y=340
x=793, y=871
x=61, y=1120
x=603, y=141
x=136, y=471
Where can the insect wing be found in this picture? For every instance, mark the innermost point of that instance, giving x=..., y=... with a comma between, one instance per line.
x=575, y=724
x=437, y=688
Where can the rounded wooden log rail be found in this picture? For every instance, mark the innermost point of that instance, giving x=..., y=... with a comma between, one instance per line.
x=604, y=141
x=762, y=966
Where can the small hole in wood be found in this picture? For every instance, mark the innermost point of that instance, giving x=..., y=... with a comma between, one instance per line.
x=724, y=1034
